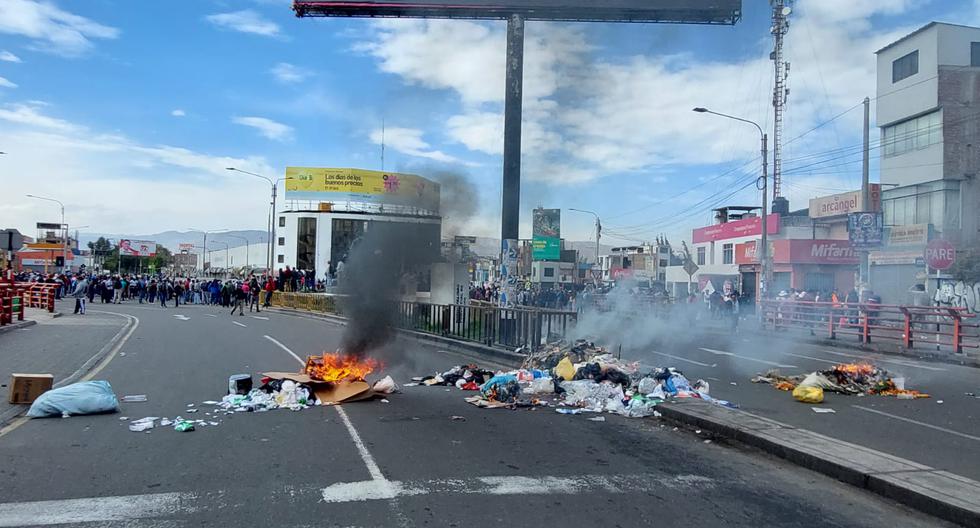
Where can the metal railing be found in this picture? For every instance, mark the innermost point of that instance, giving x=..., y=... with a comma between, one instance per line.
x=948, y=328
x=489, y=325
x=480, y=323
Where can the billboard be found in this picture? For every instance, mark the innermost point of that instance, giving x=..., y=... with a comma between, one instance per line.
x=185, y=247
x=909, y=235
x=865, y=230
x=666, y=11
x=137, y=248
x=364, y=186
x=738, y=228
x=546, y=234
x=844, y=203
x=818, y=251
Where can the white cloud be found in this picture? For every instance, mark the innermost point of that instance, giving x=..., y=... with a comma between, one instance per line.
x=77, y=161
x=285, y=72
x=270, y=129
x=245, y=21
x=409, y=141
x=52, y=29
x=27, y=114
x=4, y=83
x=602, y=115
x=177, y=112
x=7, y=56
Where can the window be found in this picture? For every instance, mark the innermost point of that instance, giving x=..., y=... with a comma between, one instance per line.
x=306, y=243
x=549, y=272
x=904, y=67
x=701, y=256
x=282, y=241
x=282, y=221
x=975, y=54
x=663, y=263
x=281, y=258
x=917, y=133
x=728, y=253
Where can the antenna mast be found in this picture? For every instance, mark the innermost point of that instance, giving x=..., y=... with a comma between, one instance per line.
x=780, y=26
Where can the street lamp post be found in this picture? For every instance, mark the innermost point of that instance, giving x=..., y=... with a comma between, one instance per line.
x=598, y=233
x=64, y=227
x=764, y=255
x=272, y=224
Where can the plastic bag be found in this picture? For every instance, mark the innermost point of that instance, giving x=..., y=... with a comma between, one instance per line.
x=564, y=369
x=87, y=397
x=647, y=385
x=808, y=394
x=540, y=386
x=385, y=385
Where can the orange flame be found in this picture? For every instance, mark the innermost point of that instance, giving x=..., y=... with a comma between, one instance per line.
x=337, y=367
x=863, y=369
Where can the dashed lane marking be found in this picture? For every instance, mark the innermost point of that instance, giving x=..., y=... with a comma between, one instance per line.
x=239, y=324
x=916, y=422
x=679, y=358
x=747, y=358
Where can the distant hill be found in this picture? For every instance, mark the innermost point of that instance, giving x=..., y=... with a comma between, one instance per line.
x=172, y=239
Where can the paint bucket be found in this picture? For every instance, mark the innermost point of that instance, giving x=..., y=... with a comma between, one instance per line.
x=899, y=383
x=239, y=384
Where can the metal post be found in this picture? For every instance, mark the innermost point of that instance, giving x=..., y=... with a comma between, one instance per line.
x=272, y=237
x=864, y=271
x=764, y=267
x=511, y=189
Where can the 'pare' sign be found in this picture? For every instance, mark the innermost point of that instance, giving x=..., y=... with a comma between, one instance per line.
x=940, y=254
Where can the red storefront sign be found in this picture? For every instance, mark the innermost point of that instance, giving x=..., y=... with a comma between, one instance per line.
x=800, y=252
x=736, y=229
x=813, y=252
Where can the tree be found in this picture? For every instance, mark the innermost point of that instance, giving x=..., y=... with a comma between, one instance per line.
x=101, y=249
x=162, y=259
x=966, y=267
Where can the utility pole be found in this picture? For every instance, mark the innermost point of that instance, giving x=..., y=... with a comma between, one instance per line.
x=780, y=26
x=865, y=271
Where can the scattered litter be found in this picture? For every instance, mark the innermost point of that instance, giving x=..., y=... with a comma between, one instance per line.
x=805, y=394
x=192, y=410
x=87, y=397
x=597, y=419
x=190, y=404
x=385, y=400
x=183, y=426
x=210, y=402
x=122, y=354
x=823, y=410
x=213, y=423
x=385, y=385
x=847, y=378
x=124, y=418
x=733, y=383
x=165, y=422
x=142, y=424
x=707, y=441
x=697, y=431
x=569, y=411
x=134, y=398
x=412, y=384
x=940, y=402
x=457, y=418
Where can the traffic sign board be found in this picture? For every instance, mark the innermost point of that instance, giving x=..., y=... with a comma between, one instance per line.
x=940, y=254
x=690, y=267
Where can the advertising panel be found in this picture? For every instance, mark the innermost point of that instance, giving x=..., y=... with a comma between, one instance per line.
x=844, y=203
x=746, y=253
x=509, y=255
x=738, y=228
x=546, y=234
x=673, y=11
x=798, y=251
x=908, y=235
x=137, y=248
x=895, y=258
x=865, y=230
x=185, y=247
x=357, y=185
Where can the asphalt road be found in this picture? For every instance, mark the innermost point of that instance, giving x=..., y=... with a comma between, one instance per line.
x=942, y=431
x=403, y=463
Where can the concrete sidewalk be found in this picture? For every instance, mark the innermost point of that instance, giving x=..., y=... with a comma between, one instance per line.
x=924, y=488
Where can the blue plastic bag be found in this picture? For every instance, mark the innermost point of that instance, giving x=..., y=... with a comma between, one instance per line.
x=87, y=397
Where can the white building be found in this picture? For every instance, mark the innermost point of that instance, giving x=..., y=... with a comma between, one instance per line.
x=928, y=103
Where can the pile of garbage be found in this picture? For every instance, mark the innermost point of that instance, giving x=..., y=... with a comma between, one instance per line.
x=584, y=379
x=847, y=378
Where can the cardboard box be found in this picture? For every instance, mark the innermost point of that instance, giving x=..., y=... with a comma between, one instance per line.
x=25, y=388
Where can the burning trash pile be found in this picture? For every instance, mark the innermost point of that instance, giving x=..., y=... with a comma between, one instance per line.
x=572, y=379
x=847, y=378
x=326, y=380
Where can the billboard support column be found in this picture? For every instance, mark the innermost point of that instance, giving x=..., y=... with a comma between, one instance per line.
x=864, y=270
x=511, y=186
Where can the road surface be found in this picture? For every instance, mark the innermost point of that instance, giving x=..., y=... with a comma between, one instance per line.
x=403, y=463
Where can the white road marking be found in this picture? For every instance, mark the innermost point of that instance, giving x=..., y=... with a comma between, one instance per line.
x=211, y=315
x=747, y=358
x=684, y=359
x=96, y=509
x=378, y=487
x=916, y=422
x=514, y=485
x=260, y=317
x=182, y=317
x=239, y=324
x=284, y=347
x=814, y=358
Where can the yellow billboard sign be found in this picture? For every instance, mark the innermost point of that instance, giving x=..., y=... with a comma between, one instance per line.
x=358, y=185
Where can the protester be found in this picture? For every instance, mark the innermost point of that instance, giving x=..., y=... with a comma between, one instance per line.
x=80, y=292
x=237, y=295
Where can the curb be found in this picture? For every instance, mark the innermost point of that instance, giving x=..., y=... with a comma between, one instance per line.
x=930, y=490
x=17, y=325
x=497, y=354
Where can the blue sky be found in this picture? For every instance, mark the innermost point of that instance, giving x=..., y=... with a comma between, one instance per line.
x=129, y=111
